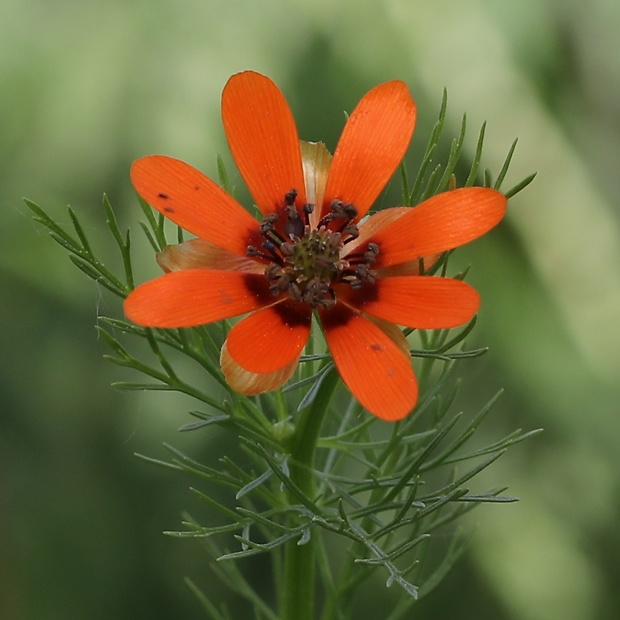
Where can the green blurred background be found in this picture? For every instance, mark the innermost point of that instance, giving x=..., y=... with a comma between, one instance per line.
x=87, y=87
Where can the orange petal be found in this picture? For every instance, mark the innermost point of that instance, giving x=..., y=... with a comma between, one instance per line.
x=412, y=268
x=424, y=302
x=196, y=297
x=394, y=332
x=371, y=364
x=250, y=383
x=202, y=254
x=194, y=202
x=440, y=223
x=263, y=140
x=373, y=143
x=316, y=161
x=271, y=339
x=373, y=224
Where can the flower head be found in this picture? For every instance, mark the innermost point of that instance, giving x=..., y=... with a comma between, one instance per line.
x=314, y=251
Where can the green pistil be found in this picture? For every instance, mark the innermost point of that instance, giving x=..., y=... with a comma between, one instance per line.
x=316, y=255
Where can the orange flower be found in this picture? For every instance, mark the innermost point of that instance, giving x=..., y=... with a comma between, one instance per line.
x=312, y=253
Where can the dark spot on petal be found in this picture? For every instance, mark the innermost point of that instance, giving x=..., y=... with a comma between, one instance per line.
x=225, y=297
x=168, y=209
x=164, y=196
x=196, y=187
x=338, y=316
x=363, y=294
x=258, y=286
x=376, y=347
x=293, y=314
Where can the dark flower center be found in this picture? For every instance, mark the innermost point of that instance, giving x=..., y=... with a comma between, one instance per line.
x=305, y=263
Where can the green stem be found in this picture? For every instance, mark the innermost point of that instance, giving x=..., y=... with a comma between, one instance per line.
x=298, y=589
x=347, y=581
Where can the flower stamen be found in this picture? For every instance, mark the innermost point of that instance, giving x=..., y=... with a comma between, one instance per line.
x=305, y=263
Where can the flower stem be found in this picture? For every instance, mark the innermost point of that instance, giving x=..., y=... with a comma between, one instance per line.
x=298, y=590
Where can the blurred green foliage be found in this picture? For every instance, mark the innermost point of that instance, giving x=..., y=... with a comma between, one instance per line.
x=86, y=88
